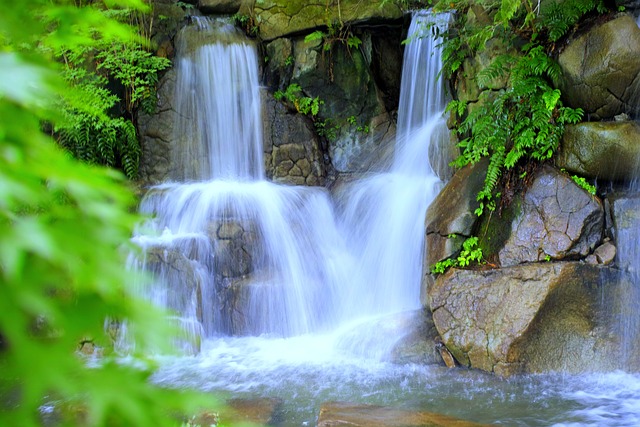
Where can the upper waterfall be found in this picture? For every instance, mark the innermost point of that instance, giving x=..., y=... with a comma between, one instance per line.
x=218, y=104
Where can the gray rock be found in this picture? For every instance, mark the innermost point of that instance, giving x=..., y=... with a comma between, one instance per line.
x=600, y=69
x=531, y=318
x=450, y=217
x=293, y=153
x=555, y=219
x=603, y=150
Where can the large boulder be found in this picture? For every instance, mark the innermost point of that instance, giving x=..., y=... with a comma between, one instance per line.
x=555, y=219
x=334, y=414
x=604, y=150
x=531, y=318
x=600, y=69
x=450, y=218
x=277, y=18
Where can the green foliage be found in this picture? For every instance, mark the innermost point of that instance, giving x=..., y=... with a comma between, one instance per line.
x=557, y=18
x=94, y=130
x=470, y=253
x=326, y=129
x=64, y=226
x=352, y=121
x=289, y=61
x=525, y=121
x=247, y=23
x=303, y=104
x=583, y=183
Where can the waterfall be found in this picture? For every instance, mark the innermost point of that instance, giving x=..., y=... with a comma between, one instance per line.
x=235, y=255
x=384, y=214
x=229, y=251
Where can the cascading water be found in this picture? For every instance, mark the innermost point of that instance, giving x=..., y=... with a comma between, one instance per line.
x=276, y=285
x=231, y=251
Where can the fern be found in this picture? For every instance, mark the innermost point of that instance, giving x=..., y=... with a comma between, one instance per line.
x=559, y=17
x=525, y=121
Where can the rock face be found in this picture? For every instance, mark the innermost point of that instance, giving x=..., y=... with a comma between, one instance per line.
x=342, y=79
x=555, y=219
x=450, y=218
x=277, y=18
x=603, y=150
x=293, y=154
x=600, y=69
x=336, y=414
x=530, y=318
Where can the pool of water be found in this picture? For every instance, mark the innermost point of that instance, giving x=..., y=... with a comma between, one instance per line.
x=304, y=372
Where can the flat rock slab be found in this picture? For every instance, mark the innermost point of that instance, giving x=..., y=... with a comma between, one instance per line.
x=336, y=414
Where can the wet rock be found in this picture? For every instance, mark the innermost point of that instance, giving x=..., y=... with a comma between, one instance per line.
x=625, y=212
x=531, y=318
x=450, y=218
x=277, y=18
x=604, y=150
x=336, y=414
x=600, y=69
x=555, y=219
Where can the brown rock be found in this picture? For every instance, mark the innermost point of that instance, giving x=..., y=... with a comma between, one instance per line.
x=450, y=217
x=336, y=414
x=530, y=318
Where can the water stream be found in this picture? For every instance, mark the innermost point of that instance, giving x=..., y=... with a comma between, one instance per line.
x=276, y=286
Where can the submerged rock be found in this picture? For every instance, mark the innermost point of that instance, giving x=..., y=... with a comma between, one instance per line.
x=336, y=414
x=531, y=318
x=263, y=411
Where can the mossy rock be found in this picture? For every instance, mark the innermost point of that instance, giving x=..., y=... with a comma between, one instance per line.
x=277, y=18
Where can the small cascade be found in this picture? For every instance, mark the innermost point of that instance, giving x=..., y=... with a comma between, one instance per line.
x=383, y=216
